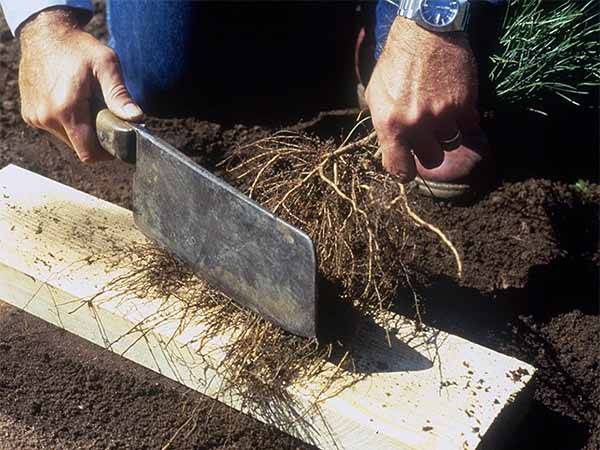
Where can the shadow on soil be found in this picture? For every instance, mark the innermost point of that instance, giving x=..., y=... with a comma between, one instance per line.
x=562, y=146
x=500, y=320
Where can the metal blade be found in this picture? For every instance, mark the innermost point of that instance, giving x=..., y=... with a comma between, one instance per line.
x=257, y=259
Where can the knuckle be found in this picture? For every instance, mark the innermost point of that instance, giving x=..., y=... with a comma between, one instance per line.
x=58, y=108
x=389, y=121
x=440, y=110
x=392, y=121
x=116, y=91
x=412, y=121
x=413, y=117
x=47, y=117
x=107, y=57
x=44, y=117
x=27, y=118
x=44, y=122
x=62, y=111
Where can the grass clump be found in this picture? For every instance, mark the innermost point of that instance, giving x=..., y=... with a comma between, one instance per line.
x=548, y=49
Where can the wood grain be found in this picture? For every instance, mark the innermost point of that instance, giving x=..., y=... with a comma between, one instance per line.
x=429, y=390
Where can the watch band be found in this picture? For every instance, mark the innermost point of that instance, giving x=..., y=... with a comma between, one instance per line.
x=408, y=8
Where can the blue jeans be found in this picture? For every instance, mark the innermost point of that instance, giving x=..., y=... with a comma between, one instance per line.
x=184, y=56
x=190, y=56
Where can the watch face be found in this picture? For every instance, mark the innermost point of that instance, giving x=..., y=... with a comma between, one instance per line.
x=439, y=13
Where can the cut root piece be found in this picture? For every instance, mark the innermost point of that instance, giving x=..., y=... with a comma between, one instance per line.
x=254, y=357
x=357, y=215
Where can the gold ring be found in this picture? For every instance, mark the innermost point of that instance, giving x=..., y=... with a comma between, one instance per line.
x=452, y=143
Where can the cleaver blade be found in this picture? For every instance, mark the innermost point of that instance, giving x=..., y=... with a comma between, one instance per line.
x=240, y=248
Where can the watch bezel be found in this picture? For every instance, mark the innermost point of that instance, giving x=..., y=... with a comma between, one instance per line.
x=458, y=24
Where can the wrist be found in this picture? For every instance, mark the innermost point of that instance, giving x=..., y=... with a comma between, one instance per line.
x=407, y=32
x=50, y=23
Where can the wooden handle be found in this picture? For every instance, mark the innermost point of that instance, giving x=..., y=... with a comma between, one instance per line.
x=116, y=136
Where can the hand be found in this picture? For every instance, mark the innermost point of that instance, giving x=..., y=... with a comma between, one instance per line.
x=422, y=91
x=61, y=70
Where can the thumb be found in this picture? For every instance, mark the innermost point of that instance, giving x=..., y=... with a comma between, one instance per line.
x=116, y=96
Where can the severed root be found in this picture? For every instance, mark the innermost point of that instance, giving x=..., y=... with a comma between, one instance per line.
x=257, y=360
x=430, y=227
x=341, y=197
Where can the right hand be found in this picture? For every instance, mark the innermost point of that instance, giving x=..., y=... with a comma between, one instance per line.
x=423, y=91
x=61, y=70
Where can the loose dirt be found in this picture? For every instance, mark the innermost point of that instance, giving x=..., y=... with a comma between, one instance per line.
x=530, y=289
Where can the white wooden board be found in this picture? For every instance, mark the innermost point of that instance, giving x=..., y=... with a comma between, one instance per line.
x=437, y=391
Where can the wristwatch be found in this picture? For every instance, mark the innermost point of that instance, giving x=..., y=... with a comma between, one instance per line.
x=436, y=15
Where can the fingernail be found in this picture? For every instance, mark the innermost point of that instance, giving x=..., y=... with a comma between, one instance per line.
x=132, y=110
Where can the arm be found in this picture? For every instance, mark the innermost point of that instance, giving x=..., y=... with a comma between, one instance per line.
x=62, y=69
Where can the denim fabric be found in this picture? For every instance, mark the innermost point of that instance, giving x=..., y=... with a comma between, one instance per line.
x=154, y=42
x=184, y=56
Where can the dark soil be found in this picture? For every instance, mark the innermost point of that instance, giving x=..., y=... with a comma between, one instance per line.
x=530, y=289
x=77, y=396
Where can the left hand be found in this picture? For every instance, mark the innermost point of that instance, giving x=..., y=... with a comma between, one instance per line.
x=423, y=91
x=61, y=71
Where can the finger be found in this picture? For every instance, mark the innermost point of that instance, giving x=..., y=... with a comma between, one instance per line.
x=116, y=96
x=82, y=134
x=427, y=149
x=53, y=126
x=60, y=134
x=448, y=136
x=447, y=133
x=469, y=119
x=446, y=129
x=397, y=159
